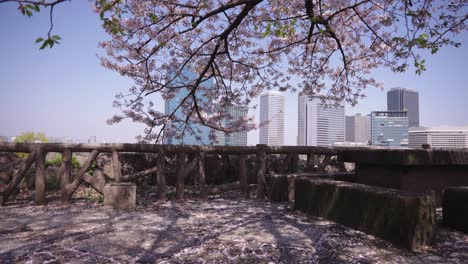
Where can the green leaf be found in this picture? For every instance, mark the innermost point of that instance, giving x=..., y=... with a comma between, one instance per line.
x=39, y=40
x=56, y=37
x=43, y=45
x=153, y=17
x=36, y=7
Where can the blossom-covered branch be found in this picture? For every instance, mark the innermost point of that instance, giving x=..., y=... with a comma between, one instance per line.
x=237, y=49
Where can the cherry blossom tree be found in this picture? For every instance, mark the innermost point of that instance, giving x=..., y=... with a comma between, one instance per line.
x=238, y=48
x=248, y=46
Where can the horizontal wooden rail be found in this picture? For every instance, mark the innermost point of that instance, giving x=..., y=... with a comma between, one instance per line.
x=154, y=148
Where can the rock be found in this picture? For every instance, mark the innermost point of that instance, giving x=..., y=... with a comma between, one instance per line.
x=403, y=218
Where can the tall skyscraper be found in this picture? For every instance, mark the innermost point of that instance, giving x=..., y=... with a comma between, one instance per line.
x=358, y=128
x=272, y=118
x=236, y=113
x=320, y=122
x=402, y=99
x=198, y=134
x=389, y=128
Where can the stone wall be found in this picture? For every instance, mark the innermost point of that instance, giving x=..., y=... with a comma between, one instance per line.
x=403, y=218
x=455, y=208
x=280, y=187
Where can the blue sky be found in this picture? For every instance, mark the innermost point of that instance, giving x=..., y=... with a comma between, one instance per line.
x=64, y=92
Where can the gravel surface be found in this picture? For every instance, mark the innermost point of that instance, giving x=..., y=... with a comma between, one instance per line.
x=223, y=229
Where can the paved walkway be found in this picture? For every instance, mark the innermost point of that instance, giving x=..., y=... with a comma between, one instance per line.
x=224, y=229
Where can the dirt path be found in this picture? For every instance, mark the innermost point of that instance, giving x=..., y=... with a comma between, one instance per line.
x=224, y=229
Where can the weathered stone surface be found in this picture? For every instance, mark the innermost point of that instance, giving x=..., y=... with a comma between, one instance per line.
x=413, y=178
x=403, y=218
x=120, y=195
x=281, y=186
x=455, y=208
x=222, y=229
x=407, y=157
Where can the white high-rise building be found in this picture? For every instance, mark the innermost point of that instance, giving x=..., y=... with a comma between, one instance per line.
x=236, y=113
x=320, y=123
x=272, y=118
x=439, y=136
x=358, y=128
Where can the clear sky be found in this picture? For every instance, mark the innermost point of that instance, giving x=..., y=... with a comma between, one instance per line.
x=64, y=92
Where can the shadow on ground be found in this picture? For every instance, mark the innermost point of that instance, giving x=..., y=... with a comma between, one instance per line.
x=224, y=229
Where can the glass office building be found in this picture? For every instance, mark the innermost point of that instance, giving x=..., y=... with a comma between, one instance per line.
x=402, y=99
x=389, y=128
x=198, y=134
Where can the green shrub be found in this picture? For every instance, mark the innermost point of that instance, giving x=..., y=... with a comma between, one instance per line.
x=29, y=137
x=52, y=183
x=57, y=162
x=93, y=195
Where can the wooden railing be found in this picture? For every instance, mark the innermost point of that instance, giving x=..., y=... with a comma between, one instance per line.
x=70, y=183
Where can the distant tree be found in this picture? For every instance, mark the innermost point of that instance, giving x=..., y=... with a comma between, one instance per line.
x=29, y=137
x=247, y=46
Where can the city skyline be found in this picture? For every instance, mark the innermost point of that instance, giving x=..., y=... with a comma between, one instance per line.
x=64, y=92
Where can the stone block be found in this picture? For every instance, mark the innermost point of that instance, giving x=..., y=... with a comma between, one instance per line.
x=455, y=208
x=281, y=186
x=120, y=195
x=406, y=219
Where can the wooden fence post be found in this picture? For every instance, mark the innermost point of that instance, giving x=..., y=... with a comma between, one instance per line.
x=116, y=166
x=261, y=170
x=201, y=174
x=243, y=175
x=294, y=163
x=161, y=175
x=181, y=161
x=40, y=178
x=18, y=176
x=65, y=169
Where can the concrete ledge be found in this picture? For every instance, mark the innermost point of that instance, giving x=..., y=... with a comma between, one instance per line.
x=281, y=186
x=455, y=208
x=403, y=218
x=120, y=195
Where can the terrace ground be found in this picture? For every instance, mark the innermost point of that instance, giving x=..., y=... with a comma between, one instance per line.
x=223, y=229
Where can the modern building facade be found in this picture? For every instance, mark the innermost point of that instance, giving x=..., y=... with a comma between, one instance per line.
x=235, y=113
x=358, y=129
x=92, y=140
x=402, y=99
x=321, y=122
x=439, y=136
x=272, y=118
x=389, y=128
x=198, y=134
